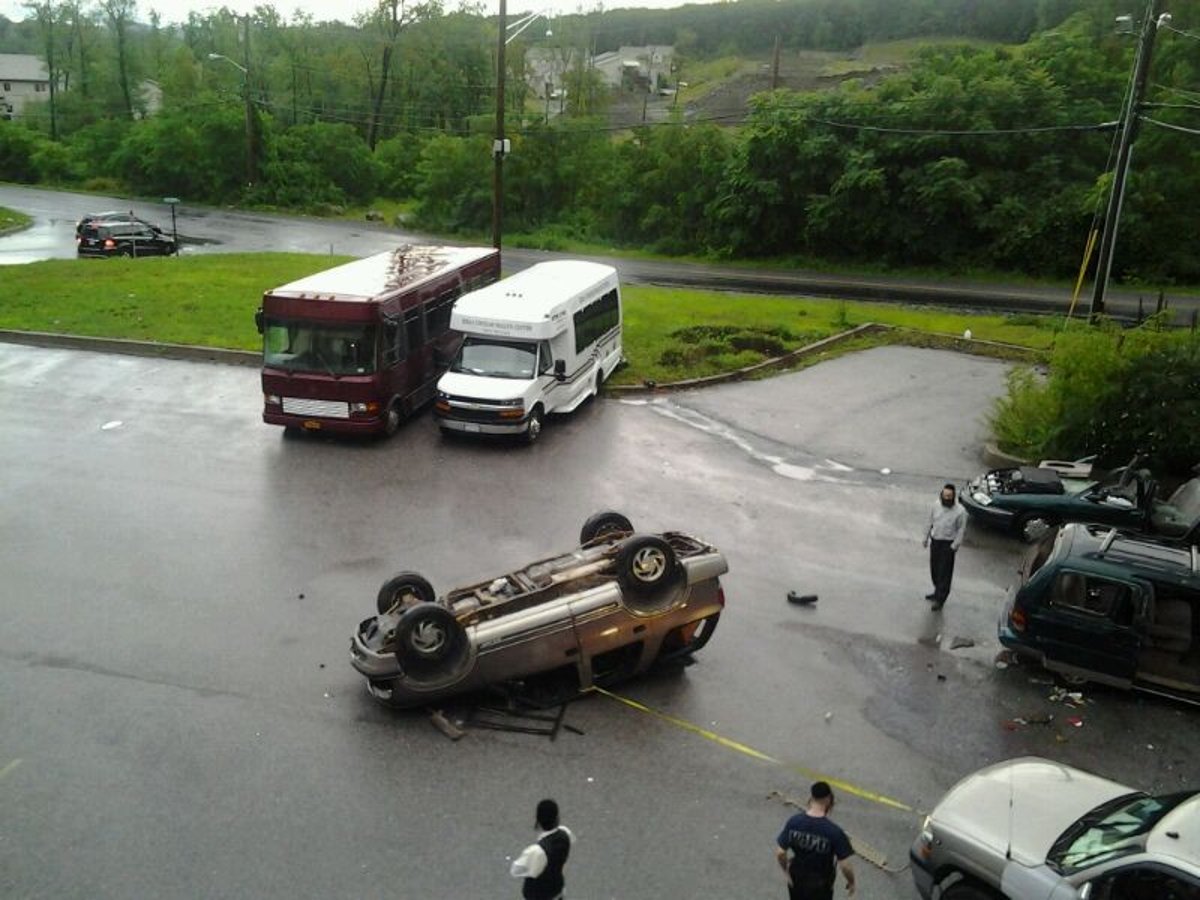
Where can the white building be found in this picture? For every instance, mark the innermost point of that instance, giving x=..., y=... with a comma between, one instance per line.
x=639, y=68
x=22, y=78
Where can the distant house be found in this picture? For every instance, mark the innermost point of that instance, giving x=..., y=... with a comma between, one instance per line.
x=546, y=69
x=637, y=68
x=23, y=77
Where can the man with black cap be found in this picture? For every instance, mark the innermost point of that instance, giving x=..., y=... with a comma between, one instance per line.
x=541, y=863
x=947, y=523
x=817, y=849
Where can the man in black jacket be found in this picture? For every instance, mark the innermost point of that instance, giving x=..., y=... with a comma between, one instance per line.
x=541, y=863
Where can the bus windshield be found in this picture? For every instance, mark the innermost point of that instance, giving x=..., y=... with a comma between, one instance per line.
x=496, y=359
x=316, y=347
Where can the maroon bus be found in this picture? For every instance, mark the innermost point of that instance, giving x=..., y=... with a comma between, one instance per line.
x=357, y=348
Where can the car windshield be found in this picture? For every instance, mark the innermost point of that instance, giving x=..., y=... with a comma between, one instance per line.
x=312, y=347
x=496, y=359
x=1116, y=828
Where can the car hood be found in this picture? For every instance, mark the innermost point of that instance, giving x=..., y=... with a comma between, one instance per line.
x=1019, y=808
x=479, y=387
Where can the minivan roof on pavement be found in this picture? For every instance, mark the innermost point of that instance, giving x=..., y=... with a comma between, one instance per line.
x=1153, y=556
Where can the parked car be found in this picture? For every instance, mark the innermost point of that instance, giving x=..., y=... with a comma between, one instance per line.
x=1098, y=604
x=1027, y=501
x=109, y=238
x=1033, y=829
x=603, y=612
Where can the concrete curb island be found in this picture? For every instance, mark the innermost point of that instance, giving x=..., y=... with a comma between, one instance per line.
x=133, y=348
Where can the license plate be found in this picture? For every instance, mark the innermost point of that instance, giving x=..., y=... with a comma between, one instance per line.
x=470, y=427
x=310, y=425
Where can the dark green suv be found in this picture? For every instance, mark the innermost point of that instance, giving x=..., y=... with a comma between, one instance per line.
x=1098, y=604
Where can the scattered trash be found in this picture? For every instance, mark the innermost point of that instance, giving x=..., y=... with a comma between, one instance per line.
x=959, y=642
x=967, y=334
x=327, y=695
x=590, y=779
x=320, y=665
x=1149, y=746
x=300, y=596
x=1068, y=698
x=801, y=599
x=941, y=677
x=885, y=471
x=109, y=426
x=1075, y=721
x=829, y=718
x=1001, y=664
x=1041, y=681
x=1062, y=739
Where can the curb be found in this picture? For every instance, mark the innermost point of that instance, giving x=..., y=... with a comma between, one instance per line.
x=995, y=458
x=133, y=348
x=992, y=349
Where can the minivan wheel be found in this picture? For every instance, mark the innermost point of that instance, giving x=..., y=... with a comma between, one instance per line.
x=404, y=590
x=534, y=429
x=430, y=641
x=646, y=565
x=604, y=524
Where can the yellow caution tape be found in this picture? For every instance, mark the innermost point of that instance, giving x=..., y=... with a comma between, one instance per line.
x=739, y=747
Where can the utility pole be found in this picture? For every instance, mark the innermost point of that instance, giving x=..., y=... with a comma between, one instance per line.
x=1129, y=126
x=499, y=145
x=775, y=66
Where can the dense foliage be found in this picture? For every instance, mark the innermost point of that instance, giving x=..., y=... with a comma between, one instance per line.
x=990, y=157
x=1112, y=393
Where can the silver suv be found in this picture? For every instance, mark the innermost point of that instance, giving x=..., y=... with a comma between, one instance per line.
x=1033, y=829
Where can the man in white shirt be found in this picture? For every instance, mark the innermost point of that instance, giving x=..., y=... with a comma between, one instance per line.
x=541, y=863
x=947, y=523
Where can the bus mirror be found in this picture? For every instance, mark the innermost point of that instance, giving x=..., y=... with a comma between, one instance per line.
x=560, y=369
x=258, y=321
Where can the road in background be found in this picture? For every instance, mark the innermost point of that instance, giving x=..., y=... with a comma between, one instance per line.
x=212, y=230
x=180, y=583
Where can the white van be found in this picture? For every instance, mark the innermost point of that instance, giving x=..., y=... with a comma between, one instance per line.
x=539, y=342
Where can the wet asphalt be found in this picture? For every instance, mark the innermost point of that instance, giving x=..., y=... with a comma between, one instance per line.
x=179, y=716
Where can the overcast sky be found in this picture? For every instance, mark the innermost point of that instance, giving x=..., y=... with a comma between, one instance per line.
x=324, y=10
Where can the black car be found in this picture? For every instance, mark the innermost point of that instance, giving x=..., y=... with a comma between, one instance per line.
x=127, y=238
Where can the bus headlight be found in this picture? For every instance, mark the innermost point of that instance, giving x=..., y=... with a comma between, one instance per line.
x=371, y=407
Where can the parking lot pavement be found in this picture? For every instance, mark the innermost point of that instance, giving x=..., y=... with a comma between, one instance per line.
x=181, y=581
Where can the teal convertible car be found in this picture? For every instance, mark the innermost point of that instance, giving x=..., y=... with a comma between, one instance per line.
x=1028, y=500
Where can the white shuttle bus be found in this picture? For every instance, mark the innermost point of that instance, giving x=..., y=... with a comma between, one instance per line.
x=539, y=342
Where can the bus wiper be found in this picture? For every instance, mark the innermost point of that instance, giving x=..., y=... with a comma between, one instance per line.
x=328, y=367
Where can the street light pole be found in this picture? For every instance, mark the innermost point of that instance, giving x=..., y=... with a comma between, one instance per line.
x=1129, y=123
x=251, y=143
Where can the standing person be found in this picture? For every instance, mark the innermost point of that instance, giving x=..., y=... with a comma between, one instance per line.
x=817, y=848
x=947, y=523
x=541, y=863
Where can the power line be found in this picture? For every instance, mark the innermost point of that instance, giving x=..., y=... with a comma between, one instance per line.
x=1186, y=34
x=1169, y=126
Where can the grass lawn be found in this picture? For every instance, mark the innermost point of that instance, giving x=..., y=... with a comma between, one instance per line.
x=670, y=334
x=204, y=300
x=11, y=220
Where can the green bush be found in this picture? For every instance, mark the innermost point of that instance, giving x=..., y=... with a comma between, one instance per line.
x=1111, y=393
x=17, y=148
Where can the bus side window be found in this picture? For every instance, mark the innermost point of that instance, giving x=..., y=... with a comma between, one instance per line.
x=414, y=327
x=393, y=348
x=438, y=314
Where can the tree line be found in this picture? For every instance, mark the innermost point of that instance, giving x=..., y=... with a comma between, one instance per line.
x=988, y=157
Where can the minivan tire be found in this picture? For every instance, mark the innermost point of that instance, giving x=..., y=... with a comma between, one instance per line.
x=646, y=566
x=430, y=641
x=604, y=524
x=406, y=589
